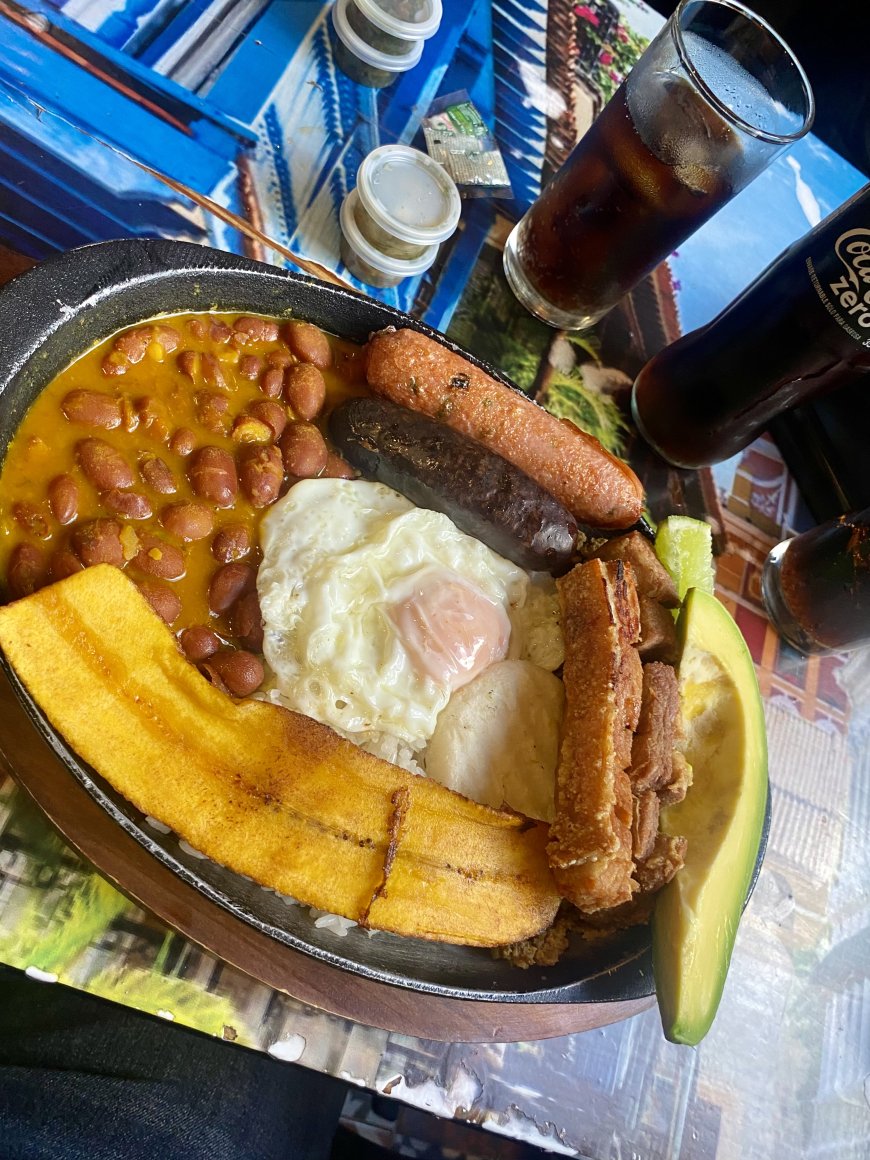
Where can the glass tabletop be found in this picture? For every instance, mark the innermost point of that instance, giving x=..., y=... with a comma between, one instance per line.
x=229, y=124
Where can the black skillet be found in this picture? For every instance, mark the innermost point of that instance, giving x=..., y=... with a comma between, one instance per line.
x=52, y=314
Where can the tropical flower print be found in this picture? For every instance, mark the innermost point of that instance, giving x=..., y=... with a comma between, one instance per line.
x=586, y=13
x=607, y=49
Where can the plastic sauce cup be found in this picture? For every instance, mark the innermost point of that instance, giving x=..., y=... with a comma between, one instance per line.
x=392, y=26
x=407, y=201
x=363, y=63
x=370, y=264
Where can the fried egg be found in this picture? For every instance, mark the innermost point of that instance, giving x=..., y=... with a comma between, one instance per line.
x=376, y=611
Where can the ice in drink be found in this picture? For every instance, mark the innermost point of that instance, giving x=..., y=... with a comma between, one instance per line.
x=688, y=129
x=616, y=208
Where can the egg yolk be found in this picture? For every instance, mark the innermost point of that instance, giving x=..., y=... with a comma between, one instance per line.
x=450, y=630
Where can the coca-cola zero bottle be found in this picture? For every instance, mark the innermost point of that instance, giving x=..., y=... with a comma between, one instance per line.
x=801, y=328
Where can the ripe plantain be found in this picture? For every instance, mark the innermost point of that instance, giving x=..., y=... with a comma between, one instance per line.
x=267, y=792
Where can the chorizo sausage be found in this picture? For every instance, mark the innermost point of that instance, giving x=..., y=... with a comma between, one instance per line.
x=415, y=371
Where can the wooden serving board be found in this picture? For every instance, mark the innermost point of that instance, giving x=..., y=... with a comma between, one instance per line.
x=150, y=884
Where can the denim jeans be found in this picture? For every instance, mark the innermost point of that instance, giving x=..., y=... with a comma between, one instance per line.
x=85, y=1079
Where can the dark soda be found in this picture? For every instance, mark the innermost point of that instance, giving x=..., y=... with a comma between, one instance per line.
x=801, y=329
x=713, y=99
x=622, y=201
x=816, y=586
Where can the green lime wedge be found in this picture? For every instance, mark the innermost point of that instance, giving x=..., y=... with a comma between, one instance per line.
x=685, y=547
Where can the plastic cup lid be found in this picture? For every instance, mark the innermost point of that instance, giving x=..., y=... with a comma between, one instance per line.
x=408, y=194
x=406, y=19
x=398, y=267
x=364, y=51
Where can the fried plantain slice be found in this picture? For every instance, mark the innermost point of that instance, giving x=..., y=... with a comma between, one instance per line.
x=267, y=792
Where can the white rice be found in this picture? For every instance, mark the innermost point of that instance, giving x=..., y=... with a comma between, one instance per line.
x=331, y=922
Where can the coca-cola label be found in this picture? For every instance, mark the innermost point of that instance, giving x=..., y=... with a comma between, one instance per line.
x=846, y=296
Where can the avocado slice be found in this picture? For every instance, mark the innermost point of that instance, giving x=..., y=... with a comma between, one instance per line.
x=722, y=816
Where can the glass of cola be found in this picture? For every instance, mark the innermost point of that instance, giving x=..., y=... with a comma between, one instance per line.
x=715, y=97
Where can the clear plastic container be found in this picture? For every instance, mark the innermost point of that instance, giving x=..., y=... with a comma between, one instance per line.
x=363, y=63
x=393, y=26
x=407, y=202
x=370, y=264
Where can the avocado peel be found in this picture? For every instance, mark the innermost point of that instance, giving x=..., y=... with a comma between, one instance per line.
x=697, y=914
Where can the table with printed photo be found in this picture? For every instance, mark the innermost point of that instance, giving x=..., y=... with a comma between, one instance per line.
x=227, y=123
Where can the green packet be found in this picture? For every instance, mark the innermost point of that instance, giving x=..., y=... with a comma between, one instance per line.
x=457, y=137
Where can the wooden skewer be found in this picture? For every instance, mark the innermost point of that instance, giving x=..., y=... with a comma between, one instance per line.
x=307, y=265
